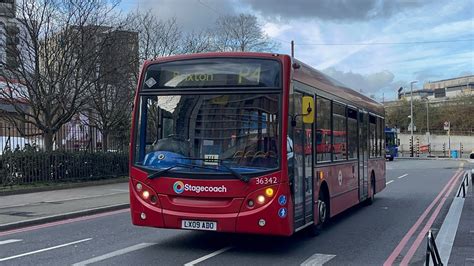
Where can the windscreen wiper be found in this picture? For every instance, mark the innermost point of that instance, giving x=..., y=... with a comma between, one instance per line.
x=229, y=169
x=162, y=171
x=190, y=166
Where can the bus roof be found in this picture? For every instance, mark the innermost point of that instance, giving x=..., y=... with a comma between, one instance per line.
x=310, y=76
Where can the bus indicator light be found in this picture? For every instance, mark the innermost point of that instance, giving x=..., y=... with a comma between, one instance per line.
x=143, y=216
x=139, y=187
x=269, y=192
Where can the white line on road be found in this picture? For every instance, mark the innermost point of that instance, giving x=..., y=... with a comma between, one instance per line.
x=43, y=250
x=201, y=259
x=114, y=254
x=402, y=176
x=389, y=182
x=317, y=259
x=9, y=241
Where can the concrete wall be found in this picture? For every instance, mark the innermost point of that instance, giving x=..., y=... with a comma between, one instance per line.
x=437, y=142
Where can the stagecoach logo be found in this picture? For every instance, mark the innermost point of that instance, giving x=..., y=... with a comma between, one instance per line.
x=179, y=187
x=339, y=178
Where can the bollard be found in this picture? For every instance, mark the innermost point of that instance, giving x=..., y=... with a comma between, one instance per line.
x=444, y=149
x=460, y=149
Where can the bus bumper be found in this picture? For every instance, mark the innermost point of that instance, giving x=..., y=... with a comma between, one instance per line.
x=267, y=220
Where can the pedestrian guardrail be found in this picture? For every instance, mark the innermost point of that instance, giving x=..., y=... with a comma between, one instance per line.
x=464, y=184
x=432, y=251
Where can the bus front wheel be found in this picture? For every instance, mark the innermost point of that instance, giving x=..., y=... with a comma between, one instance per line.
x=323, y=213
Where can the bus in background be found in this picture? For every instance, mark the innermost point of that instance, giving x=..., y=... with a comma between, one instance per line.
x=229, y=142
x=391, y=143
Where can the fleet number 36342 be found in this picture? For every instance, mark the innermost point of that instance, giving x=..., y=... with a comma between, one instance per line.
x=266, y=180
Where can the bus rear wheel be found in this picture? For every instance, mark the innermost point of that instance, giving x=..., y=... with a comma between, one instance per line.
x=371, y=199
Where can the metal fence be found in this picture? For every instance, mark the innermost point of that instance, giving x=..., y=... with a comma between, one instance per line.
x=68, y=138
x=78, y=154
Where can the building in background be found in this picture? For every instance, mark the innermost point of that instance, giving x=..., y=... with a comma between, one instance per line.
x=8, y=33
x=442, y=90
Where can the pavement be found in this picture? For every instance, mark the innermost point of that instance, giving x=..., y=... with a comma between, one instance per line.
x=41, y=207
x=462, y=252
x=22, y=210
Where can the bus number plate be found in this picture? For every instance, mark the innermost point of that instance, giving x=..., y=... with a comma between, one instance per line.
x=199, y=225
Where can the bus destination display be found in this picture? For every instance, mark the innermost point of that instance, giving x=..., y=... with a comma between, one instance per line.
x=213, y=73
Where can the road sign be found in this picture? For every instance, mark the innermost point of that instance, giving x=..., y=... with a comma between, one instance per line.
x=447, y=125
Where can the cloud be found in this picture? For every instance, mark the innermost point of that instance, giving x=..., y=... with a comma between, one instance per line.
x=368, y=84
x=190, y=15
x=336, y=10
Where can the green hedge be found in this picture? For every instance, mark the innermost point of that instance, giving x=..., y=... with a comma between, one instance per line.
x=26, y=167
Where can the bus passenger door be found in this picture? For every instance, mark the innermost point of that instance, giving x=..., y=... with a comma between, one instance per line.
x=363, y=155
x=301, y=136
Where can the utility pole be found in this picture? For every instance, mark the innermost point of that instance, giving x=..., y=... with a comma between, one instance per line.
x=411, y=116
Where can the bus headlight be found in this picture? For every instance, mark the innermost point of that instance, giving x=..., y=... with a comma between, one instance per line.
x=260, y=197
x=146, y=193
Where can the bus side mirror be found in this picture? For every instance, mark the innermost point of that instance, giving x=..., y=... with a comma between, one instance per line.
x=307, y=109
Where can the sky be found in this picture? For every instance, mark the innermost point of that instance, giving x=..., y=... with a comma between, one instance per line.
x=373, y=46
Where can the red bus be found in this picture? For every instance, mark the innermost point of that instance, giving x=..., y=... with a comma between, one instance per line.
x=213, y=145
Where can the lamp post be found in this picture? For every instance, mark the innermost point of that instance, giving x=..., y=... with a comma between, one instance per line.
x=427, y=119
x=411, y=116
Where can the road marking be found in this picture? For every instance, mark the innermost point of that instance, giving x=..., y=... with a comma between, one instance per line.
x=425, y=229
x=45, y=249
x=201, y=259
x=114, y=254
x=402, y=176
x=398, y=249
x=317, y=259
x=9, y=241
x=389, y=182
x=120, y=190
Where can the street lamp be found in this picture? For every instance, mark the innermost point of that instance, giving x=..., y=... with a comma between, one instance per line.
x=411, y=116
x=427, y=120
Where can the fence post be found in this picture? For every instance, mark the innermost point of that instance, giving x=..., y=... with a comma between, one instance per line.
x=417, y=147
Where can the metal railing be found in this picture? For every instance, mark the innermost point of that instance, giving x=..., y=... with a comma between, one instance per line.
x=432, y=250
x=464, y=184
x=78, y=153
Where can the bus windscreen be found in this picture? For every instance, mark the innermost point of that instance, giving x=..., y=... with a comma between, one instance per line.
x=214, y=72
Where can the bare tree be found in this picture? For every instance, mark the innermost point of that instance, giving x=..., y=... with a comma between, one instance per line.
x=241, y=33
x=156, y=37
x=197, y=42
x=56, y=59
